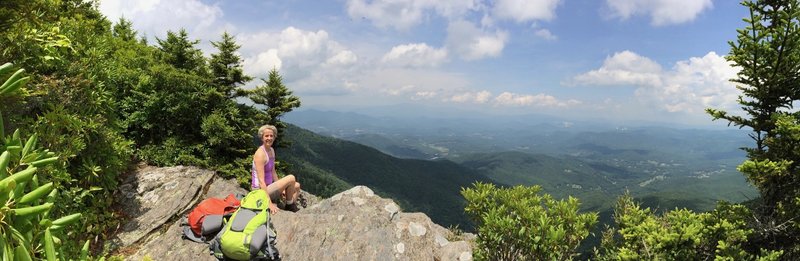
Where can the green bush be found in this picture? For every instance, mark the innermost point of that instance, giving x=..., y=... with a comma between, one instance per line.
x=681, y=234
x=518, y=223
x=25, y=204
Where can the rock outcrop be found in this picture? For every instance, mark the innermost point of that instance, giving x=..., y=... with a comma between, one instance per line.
x=353, y=225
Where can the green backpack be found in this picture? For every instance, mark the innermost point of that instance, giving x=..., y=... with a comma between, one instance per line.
x=248, y=235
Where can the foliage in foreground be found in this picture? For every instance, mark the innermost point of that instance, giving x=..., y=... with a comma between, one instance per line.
x=679, y=234
x=518, y=223
x=26, y=231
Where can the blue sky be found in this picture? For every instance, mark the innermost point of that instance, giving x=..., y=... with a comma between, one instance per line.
x=658, y=60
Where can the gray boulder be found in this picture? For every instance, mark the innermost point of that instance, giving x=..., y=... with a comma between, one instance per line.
x=353, y=225
x=358, y=225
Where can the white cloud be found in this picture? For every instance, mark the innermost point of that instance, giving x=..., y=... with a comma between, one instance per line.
x=155, y=17
x=345, y=57
x=538, y=100
x=545, y=34
x=696, y=84
x=471, y=97
x=473, y=43
x=690, y=86
x=509, y=99
x=262, y=63
x=300, y=53
x=404, y=14
x=298, y=43
x=623, y=68
x=400, y=90
x=661, y=12
x=415, y=55
x=526, y=10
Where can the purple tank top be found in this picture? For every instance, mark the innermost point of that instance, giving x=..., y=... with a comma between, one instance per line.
x=267, y=171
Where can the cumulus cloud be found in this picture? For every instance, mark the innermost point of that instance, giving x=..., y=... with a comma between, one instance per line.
x=400, y=90
x=690, y=86
x=473, y=43
x=345, y=57
x=293, y=49
x=404, y=14
x=154, y=17
x=538, y=100
x=526, y=10
x=696, y=84
x=415, y=55
x=471, y=97
x=295, y=42
x=623, y=68
x=509, y=99
x=262, y=62
x=661, y=12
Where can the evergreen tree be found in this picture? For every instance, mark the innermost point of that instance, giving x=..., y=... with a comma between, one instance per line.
x=276, y=97
x=180, y=52
x=124, y=30
x=226, y=67
x=767, y=52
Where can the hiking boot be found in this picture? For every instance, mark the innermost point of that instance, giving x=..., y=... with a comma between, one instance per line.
x=292, y=207
x=302, y=200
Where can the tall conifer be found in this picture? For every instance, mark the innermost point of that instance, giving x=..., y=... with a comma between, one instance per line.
x=181, y=52
x=277, y=98
x=226, y=67
x=767, y=52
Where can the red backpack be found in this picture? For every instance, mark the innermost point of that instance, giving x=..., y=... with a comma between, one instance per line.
x=203, y=218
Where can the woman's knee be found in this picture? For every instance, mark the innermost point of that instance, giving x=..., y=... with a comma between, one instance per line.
x=297, y=185
x=290, y=178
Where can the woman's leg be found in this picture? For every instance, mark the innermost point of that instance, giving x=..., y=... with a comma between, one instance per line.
x=296, y=192
x=287, y=186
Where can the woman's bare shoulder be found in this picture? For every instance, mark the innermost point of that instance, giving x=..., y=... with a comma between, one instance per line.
x=259, y=155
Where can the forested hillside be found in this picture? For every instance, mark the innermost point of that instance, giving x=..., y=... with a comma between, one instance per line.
x=598, y=184
x=328, y=165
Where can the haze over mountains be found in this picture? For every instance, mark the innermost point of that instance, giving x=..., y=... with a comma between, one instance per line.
x=595, y=161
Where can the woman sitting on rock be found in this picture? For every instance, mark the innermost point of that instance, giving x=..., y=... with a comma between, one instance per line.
x=264, y=176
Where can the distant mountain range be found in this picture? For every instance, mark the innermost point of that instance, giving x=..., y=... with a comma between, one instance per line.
x=431, y=160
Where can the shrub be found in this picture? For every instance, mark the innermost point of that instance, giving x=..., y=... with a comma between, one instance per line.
x=519, y=224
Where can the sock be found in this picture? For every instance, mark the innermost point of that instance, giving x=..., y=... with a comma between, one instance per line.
x=289, y=202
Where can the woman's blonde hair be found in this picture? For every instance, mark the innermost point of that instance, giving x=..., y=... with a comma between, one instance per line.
x=265, y=127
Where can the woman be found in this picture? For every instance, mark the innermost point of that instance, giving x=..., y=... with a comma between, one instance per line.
x=265, y=177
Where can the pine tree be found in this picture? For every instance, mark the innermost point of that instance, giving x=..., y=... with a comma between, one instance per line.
x=226, y=67
x=276, y=97
x=767, y=52
x=124, y=30
x=180, y=52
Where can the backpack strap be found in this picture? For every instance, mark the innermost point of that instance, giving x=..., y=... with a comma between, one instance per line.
x=214, y=245
x=255, y=249
x=271, y=251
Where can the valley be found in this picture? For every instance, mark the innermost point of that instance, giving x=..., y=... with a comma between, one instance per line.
x=670, y=167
